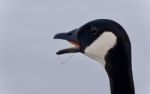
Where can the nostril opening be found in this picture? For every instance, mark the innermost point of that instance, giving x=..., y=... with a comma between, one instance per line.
x=69, y=34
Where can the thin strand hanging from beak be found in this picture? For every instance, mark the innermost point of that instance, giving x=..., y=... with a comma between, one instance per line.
x=64, y=62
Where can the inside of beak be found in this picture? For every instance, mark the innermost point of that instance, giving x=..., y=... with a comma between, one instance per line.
x=75, y=44
x=74, y=49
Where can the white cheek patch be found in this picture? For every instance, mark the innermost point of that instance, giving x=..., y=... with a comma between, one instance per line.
x=99, y=48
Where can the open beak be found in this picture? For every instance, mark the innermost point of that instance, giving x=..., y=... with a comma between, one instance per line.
x=72, y=38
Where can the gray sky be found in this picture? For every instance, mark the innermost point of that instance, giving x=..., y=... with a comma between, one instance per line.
x=28, y=63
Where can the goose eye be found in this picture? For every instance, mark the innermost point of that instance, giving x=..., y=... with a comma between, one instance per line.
x=94, y=30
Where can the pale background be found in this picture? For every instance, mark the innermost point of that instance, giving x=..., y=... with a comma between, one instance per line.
x=28, y=63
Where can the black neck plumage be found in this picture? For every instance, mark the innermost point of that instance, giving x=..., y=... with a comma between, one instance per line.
x=119, y=69
x=121, y=82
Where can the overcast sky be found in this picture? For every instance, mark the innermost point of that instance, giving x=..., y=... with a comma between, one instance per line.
x=28, y=63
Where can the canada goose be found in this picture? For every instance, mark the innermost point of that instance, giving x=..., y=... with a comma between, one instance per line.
x=108, y=43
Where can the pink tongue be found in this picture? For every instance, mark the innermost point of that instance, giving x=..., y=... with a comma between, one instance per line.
x=75, y=44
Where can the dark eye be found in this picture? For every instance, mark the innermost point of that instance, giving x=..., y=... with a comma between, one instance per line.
x=94, y=30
